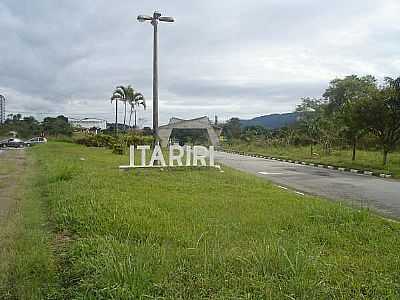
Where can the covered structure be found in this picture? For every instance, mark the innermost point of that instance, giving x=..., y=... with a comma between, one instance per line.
x=213, y=131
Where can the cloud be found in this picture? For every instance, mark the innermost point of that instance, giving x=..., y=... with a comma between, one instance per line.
x=227, y=58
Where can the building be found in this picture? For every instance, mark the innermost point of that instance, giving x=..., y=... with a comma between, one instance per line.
x=2, y=109
x=88, y=123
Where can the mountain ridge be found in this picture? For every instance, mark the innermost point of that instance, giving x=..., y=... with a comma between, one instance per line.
x=272, y=121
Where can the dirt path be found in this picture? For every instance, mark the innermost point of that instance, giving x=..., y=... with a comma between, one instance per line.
x=12, y=166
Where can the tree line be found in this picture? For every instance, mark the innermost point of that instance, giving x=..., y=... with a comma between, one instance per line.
x=27, y=127
x=353, y=109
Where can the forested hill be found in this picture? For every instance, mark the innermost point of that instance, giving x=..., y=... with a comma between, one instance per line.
x=273, y=121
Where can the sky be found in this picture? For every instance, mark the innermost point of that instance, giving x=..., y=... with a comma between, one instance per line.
x=228, y=58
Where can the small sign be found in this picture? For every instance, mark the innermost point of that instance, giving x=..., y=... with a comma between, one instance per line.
x=178, y=156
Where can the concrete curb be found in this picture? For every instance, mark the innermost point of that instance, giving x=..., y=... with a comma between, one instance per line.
x=330, y=167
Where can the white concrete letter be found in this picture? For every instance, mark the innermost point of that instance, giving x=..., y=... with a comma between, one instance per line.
x=173, y=157
x=188, y=156
x=132, y=156
x=211, y=154
x=143, y=156
x=157, y=156
x=199, y=154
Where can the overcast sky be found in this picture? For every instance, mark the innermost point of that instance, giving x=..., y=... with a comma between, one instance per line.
x=226, y=57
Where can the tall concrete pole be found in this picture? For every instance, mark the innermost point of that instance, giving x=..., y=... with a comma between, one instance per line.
x=155, y=78
x=157, y=17
x=116, y=117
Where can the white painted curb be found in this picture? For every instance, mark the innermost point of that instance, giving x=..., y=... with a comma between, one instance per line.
x=355, y=171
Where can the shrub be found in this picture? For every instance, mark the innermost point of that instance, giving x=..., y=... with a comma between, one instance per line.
x=131, y=139
x=116, y=144
x=99, y=140
x=61, y=138
x=118, y=149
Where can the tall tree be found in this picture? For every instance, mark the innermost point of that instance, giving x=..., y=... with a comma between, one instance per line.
x=232, y=129
x=381, y=115
x=342, y=96
x=121, y=93
x=311, y=112
x=128, y=96
x=135, y=101
x=116, y=97
x=57, y=126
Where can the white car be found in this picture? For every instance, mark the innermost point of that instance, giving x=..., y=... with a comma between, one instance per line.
x=35, y=141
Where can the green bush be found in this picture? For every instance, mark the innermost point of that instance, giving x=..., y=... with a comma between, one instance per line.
x=118, y=149
x=131, y=139
x=60, y=138
x=117, y=144
x=96, y=140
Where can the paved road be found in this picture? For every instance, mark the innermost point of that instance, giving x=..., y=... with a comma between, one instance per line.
x=368, y=191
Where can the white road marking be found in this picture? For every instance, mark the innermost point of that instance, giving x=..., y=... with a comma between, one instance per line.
x=286, y=189
x=282, y=187
x=267, y=173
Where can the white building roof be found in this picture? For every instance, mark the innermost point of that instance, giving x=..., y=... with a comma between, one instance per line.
x=88, y=123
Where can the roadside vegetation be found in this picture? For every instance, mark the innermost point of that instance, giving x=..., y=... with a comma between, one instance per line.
x=190, y=234
x=119, y=144
x=356, y=123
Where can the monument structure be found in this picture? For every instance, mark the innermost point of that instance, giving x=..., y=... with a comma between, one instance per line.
x=213, y=131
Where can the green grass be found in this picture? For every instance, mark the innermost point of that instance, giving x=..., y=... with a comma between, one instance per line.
x=27, y=268
x=201, y=234
x=365, y=160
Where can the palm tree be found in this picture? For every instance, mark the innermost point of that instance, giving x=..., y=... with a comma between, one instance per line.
x=117, y=96
x=136, y=100
x=127, y=95
x=122, y=93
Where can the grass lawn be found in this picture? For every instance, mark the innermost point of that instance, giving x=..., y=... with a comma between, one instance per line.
x=27, y=268
x=365, y=160
x=192, y=234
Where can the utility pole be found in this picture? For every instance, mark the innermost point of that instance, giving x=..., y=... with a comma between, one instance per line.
x=116, y=117
x=154, y=20
x=2, y=109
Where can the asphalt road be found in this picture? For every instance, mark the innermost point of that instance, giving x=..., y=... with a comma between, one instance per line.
x=361, y=190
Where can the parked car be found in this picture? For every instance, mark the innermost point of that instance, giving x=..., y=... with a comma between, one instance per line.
x=35, y=141
x=12, y=143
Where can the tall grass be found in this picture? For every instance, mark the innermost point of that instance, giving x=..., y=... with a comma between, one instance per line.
x=202, y=234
